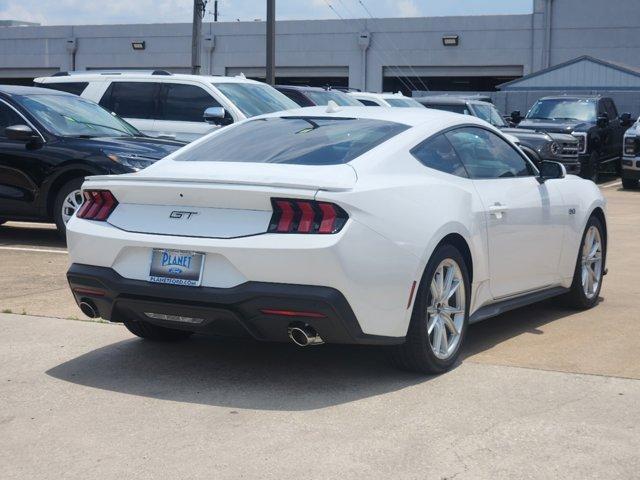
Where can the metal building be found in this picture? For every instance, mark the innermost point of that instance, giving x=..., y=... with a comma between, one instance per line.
x=471, y=53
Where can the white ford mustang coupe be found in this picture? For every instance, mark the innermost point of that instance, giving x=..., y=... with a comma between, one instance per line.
x=339, y=225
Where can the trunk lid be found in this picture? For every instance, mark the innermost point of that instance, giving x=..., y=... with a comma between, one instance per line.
x=213, y=199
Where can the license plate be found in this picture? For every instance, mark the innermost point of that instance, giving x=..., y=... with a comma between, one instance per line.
x=176, y=267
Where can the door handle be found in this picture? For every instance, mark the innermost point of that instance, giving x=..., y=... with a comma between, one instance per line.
x=497, y=210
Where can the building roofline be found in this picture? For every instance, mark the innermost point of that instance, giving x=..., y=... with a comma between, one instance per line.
x=616, y=66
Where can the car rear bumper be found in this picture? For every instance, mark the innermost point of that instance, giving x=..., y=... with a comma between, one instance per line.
x=235, y=311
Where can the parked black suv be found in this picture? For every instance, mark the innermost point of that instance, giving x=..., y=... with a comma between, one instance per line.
x=593, y=120
x=537, y=145
x=310, y=96
x=51, y=140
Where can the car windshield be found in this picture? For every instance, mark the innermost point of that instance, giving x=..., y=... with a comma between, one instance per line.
x=490, y=114
x=564, y=109
x=255, y=98
x=71, y=116
x=323, y=97
x=403, y=103
x=294, y=140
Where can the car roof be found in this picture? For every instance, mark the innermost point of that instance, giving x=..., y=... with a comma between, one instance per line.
x=572, y=97
x=158, y=76
x=411, y=117
x=24, y=90
x=443, y=99
x=383, y=96
x=304, y=88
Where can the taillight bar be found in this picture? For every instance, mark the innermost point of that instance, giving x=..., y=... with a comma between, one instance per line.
x=306, y=216
x=97, y=205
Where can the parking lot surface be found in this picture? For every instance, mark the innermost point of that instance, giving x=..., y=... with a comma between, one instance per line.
x=542, y=392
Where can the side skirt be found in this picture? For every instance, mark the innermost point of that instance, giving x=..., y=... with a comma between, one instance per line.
x=500, y=307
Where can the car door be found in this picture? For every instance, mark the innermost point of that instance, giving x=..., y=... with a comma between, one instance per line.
x=20, y=168
x=181, y=111
x=135, y=101
x=525, y=219
x=617, y=130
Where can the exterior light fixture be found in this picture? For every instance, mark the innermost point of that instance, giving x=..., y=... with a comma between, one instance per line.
x=450, y=40
x=138, y=45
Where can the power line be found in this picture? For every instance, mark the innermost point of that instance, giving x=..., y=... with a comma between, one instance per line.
x=379, y=55
x=393, y=44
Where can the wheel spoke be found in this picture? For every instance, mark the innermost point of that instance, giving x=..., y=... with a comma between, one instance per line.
x=452, y=290
x=448, y=284
x=450, y=325
x=433, y=319
x=437, y=337
x=445, y=340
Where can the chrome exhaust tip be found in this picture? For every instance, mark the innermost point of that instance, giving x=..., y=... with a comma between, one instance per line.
x=88, y=308
x=304, y=335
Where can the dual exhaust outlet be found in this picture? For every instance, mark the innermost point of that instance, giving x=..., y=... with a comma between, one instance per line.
x=303, y=335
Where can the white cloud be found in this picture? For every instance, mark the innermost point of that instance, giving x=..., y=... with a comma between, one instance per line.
x=407, y=8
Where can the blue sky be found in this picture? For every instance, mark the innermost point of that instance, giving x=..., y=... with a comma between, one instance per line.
x=66, y=12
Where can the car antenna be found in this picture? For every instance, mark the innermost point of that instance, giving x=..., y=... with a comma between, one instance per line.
x=333, y=107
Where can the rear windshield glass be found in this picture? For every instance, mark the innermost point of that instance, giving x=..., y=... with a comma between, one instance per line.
x=297, y=140
x=322, y=98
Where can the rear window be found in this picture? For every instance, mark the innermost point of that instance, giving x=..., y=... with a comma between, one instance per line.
x=70, y=87
x=404, y=103
x=294, y=140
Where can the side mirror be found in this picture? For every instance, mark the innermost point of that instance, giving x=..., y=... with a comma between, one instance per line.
x=217, y=116
x=20, y=133
x=516, y=117
x=551, y=170
x=603, y=120
x=625, y=119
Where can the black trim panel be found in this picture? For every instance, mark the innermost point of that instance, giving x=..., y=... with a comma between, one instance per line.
x=503, y=306
x=230, y=311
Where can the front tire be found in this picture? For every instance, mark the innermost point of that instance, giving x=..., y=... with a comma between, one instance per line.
x=629, y=183
x=67, y=202
x=154, y=332
x=588, y=274
x=440, y=316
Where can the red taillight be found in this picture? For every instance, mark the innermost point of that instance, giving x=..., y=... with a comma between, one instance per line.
x=97, y=205
x=306, y=216
x=292, y=313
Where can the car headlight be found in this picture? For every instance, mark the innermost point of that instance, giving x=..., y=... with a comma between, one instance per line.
x=130, y=160
x=582, y=141
x=555, y=148
x=630, y=146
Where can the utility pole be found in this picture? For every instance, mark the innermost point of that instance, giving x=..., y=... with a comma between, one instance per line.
x=215, y=11
x=271, y=42
x=196, y=36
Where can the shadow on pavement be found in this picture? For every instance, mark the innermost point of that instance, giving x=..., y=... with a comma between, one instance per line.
x=238, y=373
x=13, y=233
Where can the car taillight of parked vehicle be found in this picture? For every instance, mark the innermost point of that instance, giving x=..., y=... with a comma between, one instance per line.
x=306, y=216
x=97, y=205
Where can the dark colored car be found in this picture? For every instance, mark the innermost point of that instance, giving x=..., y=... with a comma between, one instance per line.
x=592, y=119
x=539, y=146
x=311, y=96
x=51, y=140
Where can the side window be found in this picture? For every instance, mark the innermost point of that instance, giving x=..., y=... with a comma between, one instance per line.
x=132, y=99
x=70, y=87
x=8, y=117
x=486, y=155
x=610, y=108
x=368, y=103
x=296, y=97
x=437, y=153
x=185, y=103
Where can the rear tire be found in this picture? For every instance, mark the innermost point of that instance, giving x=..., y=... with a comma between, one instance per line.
x=579, y=296
x=429, y=317
x=61, y=203
x=154, y=332
x=629, y=183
